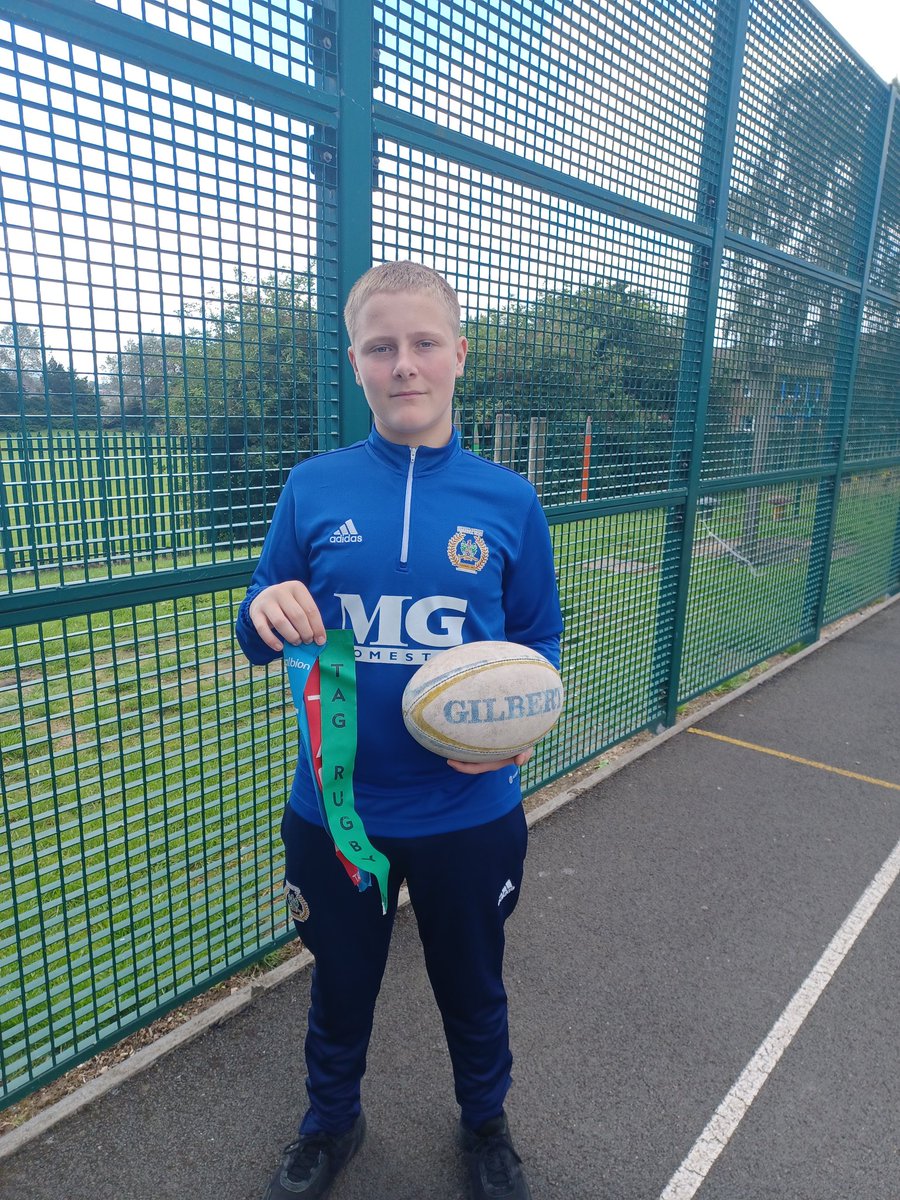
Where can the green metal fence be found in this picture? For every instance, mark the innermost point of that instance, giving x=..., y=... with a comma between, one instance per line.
x=675, y=230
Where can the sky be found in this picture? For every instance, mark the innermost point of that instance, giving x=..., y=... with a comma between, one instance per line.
x=872, y=27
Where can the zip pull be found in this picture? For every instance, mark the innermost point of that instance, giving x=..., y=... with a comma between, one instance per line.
x=407, y=506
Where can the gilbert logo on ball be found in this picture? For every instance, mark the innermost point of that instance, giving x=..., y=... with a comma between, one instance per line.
x=482, y=701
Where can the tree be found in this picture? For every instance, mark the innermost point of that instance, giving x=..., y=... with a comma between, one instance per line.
x=238, y=385
x=40, y=393
x=70, y=399
x=802, y=185
x=605, y=347
x=20, y=364
x=607, y=351
x=133, y=385
x=9, y=398
x=20, y=349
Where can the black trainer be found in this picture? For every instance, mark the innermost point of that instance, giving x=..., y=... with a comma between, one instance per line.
x=495, y=1170
x=311, y=1163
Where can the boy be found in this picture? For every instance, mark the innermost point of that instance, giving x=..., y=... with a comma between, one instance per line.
x=415, y=545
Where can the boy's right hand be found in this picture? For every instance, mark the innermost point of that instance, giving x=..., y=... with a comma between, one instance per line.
x=286, y=612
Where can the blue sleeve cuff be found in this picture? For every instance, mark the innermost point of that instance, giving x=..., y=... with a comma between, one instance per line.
x=256, y=650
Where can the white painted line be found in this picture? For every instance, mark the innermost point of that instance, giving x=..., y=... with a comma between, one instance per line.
x=689, y=1177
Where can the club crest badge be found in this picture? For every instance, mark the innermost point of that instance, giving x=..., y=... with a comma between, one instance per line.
x=297, y=906
x=467, y=549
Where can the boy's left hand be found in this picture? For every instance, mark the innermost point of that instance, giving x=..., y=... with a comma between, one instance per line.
x=479, y=768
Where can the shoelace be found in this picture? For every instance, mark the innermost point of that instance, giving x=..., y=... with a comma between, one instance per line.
x=305, y=1154
x=499, y=1160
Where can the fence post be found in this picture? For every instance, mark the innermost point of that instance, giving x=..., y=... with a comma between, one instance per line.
x=357, y=165
x=697, y=353
x=894, y=568
x=506, y=433
x=537, y=453
x=7, y=442
x=340, y=38
x=827, y=504
x=586, y=460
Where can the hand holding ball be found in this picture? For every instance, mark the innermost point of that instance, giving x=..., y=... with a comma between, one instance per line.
x=482, y=701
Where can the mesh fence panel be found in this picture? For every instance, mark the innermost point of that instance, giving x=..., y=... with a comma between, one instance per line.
x=875, y=413
x=159, y=245
x=615, y=590
x=89, y=497
x=612, y=94
x=804, y=170
x=273, y=35
x=571, y=315
x=866, y=552
x=781, y=370
x=886, y=257
x=140, y=797
x=750, y=561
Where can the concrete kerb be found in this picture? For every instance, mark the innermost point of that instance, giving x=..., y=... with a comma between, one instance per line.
x=222, y=1010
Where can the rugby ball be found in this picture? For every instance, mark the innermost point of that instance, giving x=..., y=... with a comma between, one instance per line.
x=482, y=701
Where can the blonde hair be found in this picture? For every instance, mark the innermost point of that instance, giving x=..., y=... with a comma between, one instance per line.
x=400, y=277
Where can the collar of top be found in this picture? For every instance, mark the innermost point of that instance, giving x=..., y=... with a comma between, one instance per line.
x=428, y=458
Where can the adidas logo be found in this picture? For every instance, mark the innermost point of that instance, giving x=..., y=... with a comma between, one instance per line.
x=508, y=887
x=347, y=532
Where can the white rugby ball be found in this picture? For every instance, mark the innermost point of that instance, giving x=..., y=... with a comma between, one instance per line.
x=482, y=701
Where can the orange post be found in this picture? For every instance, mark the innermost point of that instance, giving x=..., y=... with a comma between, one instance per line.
x=586, y=460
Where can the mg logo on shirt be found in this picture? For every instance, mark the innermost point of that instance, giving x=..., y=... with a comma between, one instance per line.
x=386, y=633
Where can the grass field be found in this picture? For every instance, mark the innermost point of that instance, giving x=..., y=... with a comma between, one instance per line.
x=85, y=497
x=144, y=769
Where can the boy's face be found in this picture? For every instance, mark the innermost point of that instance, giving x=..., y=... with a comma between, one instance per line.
x=407, y=357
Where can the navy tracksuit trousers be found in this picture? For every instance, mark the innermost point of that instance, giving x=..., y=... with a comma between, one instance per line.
x=462, y=886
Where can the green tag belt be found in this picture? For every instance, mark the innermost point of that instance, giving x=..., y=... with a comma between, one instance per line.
x=327, y=674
